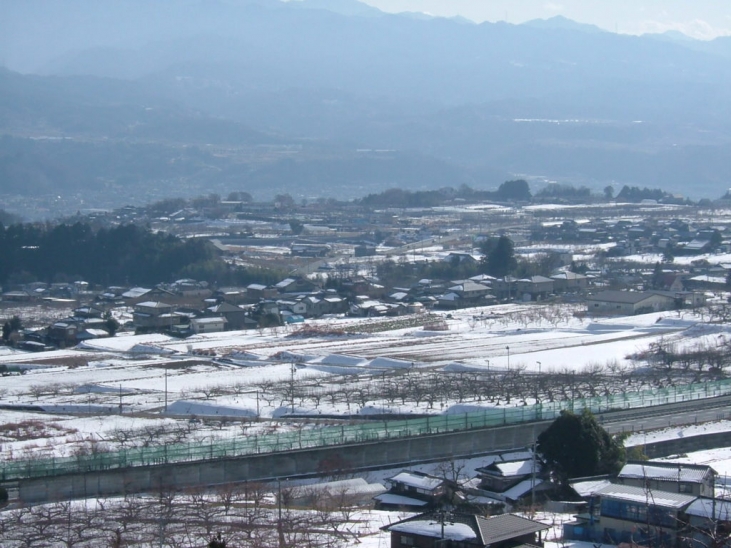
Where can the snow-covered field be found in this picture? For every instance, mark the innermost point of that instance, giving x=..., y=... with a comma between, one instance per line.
x=232, y=374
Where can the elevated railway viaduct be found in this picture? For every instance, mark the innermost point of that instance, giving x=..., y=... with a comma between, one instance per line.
x=363, y=456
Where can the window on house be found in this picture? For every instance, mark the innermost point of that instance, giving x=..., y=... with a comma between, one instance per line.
x=407, y=541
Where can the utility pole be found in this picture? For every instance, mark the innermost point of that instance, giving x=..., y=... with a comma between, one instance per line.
x=280, y=524
x=508, y=349
x=166, y=388
x=292, y=370
x=533, y=482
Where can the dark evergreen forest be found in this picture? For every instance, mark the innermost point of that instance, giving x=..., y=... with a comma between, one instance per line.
x=123, y=255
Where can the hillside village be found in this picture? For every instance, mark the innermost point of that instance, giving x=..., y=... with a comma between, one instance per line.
x=370, y=316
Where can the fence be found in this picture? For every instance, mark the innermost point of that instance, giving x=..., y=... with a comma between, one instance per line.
x=358, y=433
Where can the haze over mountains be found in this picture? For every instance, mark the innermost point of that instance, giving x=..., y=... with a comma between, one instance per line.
x=335, y=98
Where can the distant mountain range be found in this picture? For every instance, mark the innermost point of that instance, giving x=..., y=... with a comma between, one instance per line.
x=548, y=100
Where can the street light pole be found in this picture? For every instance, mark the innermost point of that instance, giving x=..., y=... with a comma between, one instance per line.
x=166, y=389
x=508, y=349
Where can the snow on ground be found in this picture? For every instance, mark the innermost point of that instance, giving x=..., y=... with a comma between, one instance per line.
x=675, y=432
x=131, y=371
x=685, y=260
x=718, y=459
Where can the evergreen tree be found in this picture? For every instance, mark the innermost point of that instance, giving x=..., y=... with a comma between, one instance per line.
x=518, y=190
x=499, y=256
x=577, y=446
x=111, y=324
x=13, y=325
x=657, y=277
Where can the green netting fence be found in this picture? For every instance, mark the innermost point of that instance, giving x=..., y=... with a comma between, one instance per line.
x=354, y=433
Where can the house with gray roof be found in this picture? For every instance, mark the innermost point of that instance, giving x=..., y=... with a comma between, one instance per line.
x=692, y=479
x=535, y=287
x=569, y=281
x=438, y=529
x=628, y=303
x=649, y=503
x=709, y=520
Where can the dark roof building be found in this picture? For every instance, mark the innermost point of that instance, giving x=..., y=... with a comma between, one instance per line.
x=440, y=529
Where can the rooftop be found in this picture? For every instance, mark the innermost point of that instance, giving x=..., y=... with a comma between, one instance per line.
x=667, y=471
x=653, y=497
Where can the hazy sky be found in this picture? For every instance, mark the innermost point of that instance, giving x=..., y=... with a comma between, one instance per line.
x=704, y=19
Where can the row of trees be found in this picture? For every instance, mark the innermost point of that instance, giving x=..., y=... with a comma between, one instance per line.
x=243, y=515
x=509, y=191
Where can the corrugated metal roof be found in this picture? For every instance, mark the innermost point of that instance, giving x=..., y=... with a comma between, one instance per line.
x=507, y=526
x=709, y=508
x=653, y=497
x=589, y=487
x=670, y=471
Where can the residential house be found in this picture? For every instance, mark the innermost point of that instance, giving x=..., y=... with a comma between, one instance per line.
x=16, y=296
x=499, y=476
x=651, y=503
x=691, y=479
x=470, y=293
x=233, y=295
x=257, y=292
x=208, y=325
x=190, y=288
x=672, y=281
x=535, y=287
x=447, y=530
x=569, y=281
x=413, y=490
x=63, y=333
x=640, y=515
x=360, y=285
x=236, y=317
x=296, y=285
x=694, y=247
x=335, y=304
x=627, y=303
x=88, y=312
x=505, y=288
x=709, y=523
x=311, y=306
x=153, y=316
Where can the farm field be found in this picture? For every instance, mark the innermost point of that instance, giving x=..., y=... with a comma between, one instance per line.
x=231, y=384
